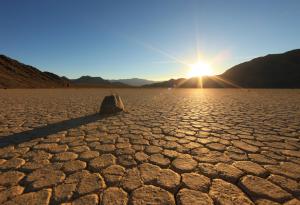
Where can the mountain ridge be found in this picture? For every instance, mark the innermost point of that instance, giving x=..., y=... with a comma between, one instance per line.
x=134, y=81
x=269, y=71
x=90, y=81
x=14, y=74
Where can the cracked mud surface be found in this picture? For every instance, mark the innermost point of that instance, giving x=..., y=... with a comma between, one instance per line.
x=171, y=147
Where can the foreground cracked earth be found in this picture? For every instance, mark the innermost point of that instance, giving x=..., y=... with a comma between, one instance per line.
x=171, y=147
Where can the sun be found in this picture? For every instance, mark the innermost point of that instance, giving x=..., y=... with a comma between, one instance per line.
x=199, y=69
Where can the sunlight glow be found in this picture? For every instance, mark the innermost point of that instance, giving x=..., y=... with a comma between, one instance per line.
x=200, y=69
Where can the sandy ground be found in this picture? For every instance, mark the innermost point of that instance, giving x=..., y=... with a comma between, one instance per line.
x=172, y=146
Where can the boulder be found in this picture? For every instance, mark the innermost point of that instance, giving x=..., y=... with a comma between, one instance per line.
x=111, y=104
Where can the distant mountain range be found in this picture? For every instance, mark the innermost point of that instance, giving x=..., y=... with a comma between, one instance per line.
x=135, y=81
x=88, y=81
x=271, y=71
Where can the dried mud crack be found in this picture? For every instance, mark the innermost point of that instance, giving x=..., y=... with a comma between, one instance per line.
x=182, y=146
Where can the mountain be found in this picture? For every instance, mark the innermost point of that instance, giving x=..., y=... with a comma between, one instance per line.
x=195, y=82
x=88, y=81
x=14, y=74
x=135, y=81
x=271, y=71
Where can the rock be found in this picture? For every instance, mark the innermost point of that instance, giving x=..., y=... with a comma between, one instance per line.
x=124, y=151
x=265, y=202
x=151, y=195
x=113, y=174
x=244, y=146
x=44, y=178
x=33, y=198
x=159, y=160
x=87, y=155
x=105, y=148
x=91, y=199
x=292, y=202
x=291, y=153
x=149, y=172
x=91, y=183
x=64, y=192
x=10, y=193
x=10, y=178
x=262, y=188
x=168, y=179
x=111, y=104
x=216, y=146
x=99, y=163
x=114, y=196
x=153, y=149
x=187, y=197
x=262, y=159
x=288, y=169
x=141, y=156
x=170, y=153
x=195, y=181
x=13, y=163
x=76, y=177
x=228, y=172
x=286, y=183
x=73, y=166
x=184, y=164
x=224, y=193
x=37, y=155
x=250, y=168
x=80, y=149
x=213, y=157
x=127, y=161
x=131, y=179
x=33, y=165
x=208, y=170
x=51, y=147
x=65, y=156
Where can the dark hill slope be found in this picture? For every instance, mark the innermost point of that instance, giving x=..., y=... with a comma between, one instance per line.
x=271, y=71
x=14, y=74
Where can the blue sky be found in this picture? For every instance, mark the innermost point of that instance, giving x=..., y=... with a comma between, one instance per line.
x=146, y=39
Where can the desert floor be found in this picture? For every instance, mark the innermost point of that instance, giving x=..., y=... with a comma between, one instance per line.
x=172, y=146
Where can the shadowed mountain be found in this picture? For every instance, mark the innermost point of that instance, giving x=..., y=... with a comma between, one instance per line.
x=135, y=81
x=88, y=81
x=195, y=82
x=14, y=74
x=271, y=71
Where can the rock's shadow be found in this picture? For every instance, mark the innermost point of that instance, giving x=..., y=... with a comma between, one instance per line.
x=49, y=129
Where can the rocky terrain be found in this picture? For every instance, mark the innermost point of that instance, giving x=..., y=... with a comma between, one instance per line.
x=171, y=147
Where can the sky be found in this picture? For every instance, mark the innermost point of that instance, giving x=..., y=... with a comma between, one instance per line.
x=152, y=39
